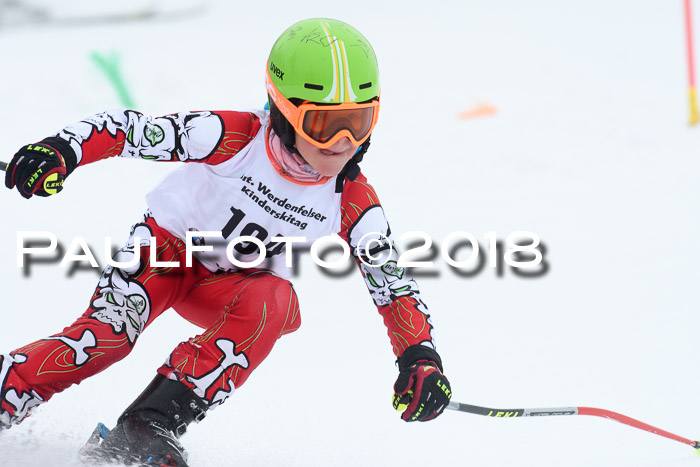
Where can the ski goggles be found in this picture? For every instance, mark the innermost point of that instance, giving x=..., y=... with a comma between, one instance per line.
x=325, y=125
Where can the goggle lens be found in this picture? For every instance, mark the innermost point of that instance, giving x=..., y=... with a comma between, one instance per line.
x=322, y=125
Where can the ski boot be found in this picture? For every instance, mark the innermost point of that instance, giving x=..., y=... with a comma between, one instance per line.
x=147, y=432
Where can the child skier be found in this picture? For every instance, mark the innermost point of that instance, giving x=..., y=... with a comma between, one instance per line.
x=289, y=172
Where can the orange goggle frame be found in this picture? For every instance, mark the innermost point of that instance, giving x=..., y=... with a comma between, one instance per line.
x=325, y=125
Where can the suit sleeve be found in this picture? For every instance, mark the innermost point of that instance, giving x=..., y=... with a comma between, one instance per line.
x=205, y=137
x=395, y=293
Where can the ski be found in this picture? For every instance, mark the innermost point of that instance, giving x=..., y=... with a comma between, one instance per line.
x=94, y=441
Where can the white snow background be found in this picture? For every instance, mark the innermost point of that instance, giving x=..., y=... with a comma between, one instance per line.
x=589, y=148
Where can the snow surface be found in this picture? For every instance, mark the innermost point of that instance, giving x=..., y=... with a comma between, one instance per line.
x=589, y=148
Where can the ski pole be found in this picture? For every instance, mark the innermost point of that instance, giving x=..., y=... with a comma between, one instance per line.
x=3, y=166
x=610, y=415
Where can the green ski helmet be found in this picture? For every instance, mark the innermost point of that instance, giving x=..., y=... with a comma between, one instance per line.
x=323, y=61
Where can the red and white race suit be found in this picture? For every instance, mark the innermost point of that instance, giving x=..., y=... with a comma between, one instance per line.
x=229, y=183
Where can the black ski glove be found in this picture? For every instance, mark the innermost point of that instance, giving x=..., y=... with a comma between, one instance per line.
x=421, y=388
x=40, y=169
